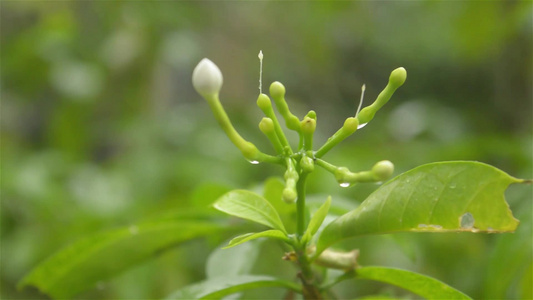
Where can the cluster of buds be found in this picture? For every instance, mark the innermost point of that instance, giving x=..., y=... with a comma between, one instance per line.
x=207, y=80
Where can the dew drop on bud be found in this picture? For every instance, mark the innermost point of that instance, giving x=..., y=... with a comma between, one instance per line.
x=344, y=184
x=254, y=162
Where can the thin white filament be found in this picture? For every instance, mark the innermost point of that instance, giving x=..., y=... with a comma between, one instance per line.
x=260, y=71
x=361, y=100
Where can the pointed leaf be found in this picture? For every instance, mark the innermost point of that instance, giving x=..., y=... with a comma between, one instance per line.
x=250, y=206
x=422, y=285
x=223, y=286
x=101, y=256
x=276, y=234
x=437, y=197
x=317, y=219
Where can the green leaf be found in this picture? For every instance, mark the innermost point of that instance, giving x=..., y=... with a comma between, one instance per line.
x=437, y=197
x=250, y=206
x=220, y=287
x=317, y=219
x=276, y=234
x=81, y=265
x=422, y=285
x=232, y=262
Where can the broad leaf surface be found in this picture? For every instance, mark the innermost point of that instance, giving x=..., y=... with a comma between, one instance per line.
x=232, y=262
x=220, y=287
x=250, y=206
x=437, y=197
x=422, y=285
x=81, y=265
x=276, y=234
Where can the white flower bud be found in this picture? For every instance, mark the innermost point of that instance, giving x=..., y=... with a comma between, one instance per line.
x=207, y=78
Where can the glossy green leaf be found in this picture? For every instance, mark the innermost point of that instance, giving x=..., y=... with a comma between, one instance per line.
x=81, y=265
x=422, y=285
x=276, y=234
x=220, y=287
x=250, y=206
x=317, y=219
x=437, y=197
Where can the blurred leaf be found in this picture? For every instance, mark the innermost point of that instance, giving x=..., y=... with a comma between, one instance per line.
x=422, y=285
x=81, y=265
x=513, y=266
x=204, y=195
x=231, y=262
x=250, y=206
x=219, y=287
x=437, y=197
x=273, y=188
x=276, y=234
x=526, y=287
x=317, y=220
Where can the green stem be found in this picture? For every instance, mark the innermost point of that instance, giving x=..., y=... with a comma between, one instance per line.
x=300, y=205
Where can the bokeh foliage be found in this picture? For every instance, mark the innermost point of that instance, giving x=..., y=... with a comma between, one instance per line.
x=100, y=126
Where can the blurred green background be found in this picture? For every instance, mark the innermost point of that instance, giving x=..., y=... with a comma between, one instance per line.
x=100, y=125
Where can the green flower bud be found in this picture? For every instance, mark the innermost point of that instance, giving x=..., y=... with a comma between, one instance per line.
x=277, y=90
x=350, y=125
x=264, y=103
x=397, y=77
x=207, y=78
x=383, y=170
x=308, y=125
x=311, y=114
x=289, y=195
x=266, y=126
x=307, y=129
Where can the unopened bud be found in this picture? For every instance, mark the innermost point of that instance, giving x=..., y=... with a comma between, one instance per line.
x=311, y=114
x=264, y=103
x=277, y=90
x=398, y=77
x=266, y=126
x=350, y=125
x=308, y=125
x=207, y=78
x=289, y=195
x=383, y=170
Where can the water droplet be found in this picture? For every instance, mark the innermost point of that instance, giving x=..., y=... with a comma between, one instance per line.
x=422, y=226
x=435, y=226
x=453, y=185
x=344, y=184
x=467, y=221
x=254, y=162
x=408, y=180
x=133, y=229
x=361, y=125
